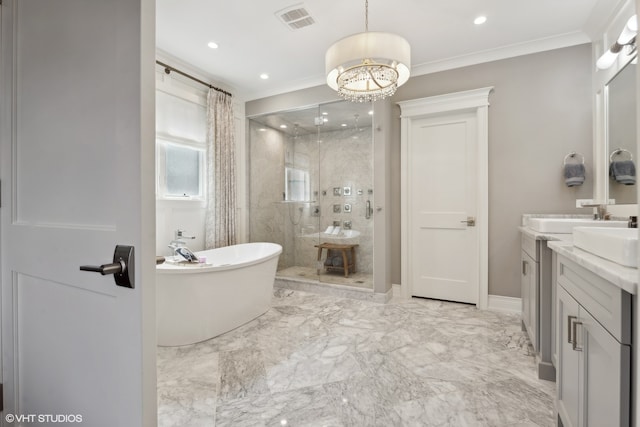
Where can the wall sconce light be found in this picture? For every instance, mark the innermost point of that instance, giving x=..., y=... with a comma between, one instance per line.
x=627, y=38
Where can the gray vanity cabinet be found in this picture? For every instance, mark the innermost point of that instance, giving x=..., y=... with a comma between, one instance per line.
x=536, y=294
x=568, y=360
x=593, y=333
x=529, y=289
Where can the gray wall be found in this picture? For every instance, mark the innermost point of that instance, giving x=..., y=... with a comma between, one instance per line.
x=541, y=109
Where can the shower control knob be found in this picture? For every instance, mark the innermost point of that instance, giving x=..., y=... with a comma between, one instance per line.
x=378, y=208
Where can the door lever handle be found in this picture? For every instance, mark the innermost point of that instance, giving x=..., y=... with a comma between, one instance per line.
x=470, y=221
x=122, y=267
x=104, y=269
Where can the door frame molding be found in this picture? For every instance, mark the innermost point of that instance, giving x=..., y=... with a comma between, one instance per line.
x=477, y=101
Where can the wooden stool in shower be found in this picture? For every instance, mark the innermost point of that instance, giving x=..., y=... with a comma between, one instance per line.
x=344, y=249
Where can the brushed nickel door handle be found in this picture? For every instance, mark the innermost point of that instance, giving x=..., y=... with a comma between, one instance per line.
x=470, y=221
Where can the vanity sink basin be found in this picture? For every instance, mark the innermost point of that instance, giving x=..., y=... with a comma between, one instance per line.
x=566, y=225
x=619, y=245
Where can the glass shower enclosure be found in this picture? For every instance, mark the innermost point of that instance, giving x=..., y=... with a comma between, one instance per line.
x=311, y=191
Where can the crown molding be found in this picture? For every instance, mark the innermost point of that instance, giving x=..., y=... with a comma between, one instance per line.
x=505, y=52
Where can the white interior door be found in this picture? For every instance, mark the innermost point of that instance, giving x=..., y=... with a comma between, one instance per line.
x=77, y=168
x=443, y=197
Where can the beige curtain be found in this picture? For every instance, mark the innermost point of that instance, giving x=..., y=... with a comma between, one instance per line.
x=220, y=224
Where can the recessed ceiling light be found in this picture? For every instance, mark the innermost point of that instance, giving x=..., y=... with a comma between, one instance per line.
x=324, y=113
x=262, y=130
x=325, y=120
x=212, y=45
x=371, y=113
x=283, y=126
x=264, y=76
x=480, y=20
x=344, y=125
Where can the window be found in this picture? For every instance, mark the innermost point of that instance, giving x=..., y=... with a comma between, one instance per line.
x=180, y=170
x=181, y=128
x=297, y=184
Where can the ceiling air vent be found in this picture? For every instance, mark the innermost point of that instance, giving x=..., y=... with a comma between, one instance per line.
x=295, y=17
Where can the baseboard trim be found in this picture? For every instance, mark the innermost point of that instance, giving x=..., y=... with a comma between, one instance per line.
x=396, y=291
x=504, y=304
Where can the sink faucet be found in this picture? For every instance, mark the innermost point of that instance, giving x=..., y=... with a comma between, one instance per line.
x=601, y=212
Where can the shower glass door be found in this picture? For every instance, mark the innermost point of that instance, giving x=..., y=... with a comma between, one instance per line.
x=311, y=188
x=345, y=163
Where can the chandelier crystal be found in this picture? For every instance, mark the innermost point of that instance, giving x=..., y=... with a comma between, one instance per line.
x=368, y=66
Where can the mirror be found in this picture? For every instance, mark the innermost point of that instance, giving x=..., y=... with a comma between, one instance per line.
x=621, y=131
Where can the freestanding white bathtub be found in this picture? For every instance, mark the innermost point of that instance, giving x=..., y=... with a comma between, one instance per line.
x=195, y=303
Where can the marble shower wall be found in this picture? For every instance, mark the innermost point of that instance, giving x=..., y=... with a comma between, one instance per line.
x=334, y=159
x=266, y=171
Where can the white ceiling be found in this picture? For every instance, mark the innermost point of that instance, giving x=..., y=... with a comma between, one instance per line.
x=252, y=40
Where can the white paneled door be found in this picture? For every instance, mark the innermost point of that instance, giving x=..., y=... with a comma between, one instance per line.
x=77, y=168
x=444, y=238
x=444, y=198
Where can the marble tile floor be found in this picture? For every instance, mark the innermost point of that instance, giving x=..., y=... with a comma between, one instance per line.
x=316, y=360
x=356, y=280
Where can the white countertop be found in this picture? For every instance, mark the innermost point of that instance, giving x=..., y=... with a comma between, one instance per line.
x=624, y=277
x=563, y=237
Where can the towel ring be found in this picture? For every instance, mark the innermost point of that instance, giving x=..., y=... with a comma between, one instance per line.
x=572, y=155
x=618, y=152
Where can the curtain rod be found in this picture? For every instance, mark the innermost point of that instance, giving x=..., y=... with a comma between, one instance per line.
x=168, y=69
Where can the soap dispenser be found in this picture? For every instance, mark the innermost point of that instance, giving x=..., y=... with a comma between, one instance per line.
x=633, y=222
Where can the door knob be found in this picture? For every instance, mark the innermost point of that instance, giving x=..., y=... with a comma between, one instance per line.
x=122, y=267
x=470, y=221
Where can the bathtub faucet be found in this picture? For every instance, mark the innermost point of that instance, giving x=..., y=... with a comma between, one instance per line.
x=180, y=235
x=179, y=241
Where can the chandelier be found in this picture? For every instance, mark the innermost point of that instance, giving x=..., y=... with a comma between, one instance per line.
x=368, y=66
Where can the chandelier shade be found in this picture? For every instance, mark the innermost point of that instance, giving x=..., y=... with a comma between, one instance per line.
x=368, y=66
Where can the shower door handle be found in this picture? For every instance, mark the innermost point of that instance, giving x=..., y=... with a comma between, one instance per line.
x=368, y=210
x=121, y=267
